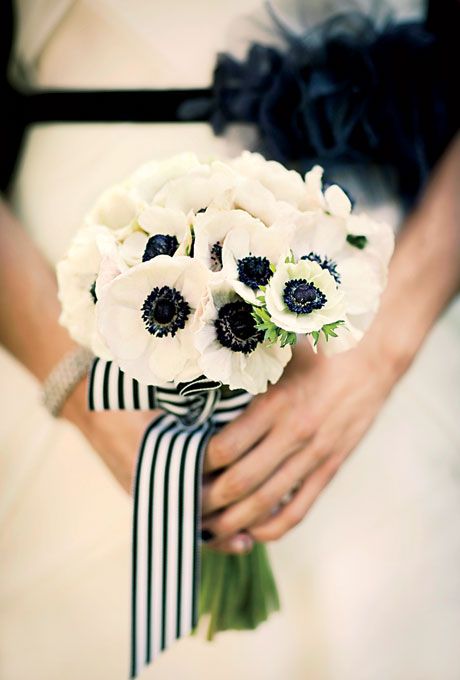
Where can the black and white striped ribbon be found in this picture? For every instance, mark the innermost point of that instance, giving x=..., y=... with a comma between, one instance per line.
x=167, y=500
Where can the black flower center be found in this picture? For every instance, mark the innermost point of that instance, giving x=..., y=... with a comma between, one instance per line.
x=216, y=257
x=236, y=328
x=92, y=291
x=165, y=311
x=254, y=271
x=302, y=297
x=160, y=244
x=325, y=263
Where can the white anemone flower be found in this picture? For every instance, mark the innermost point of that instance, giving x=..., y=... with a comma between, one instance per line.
x=364, y=273
x=231, y=348
x=148, y=317
x=357, y=272
x=251, y=196
x=211, y=228
x=196, y=189
x=285, y=185
x=249, y=254
x=160, y=232
x=373, y=237
x=360, y=270
x=80, y=287
x=147, y=180
x=302, y=297
x=117, y=209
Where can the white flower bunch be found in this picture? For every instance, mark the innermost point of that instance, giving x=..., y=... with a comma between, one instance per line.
x=193, y=268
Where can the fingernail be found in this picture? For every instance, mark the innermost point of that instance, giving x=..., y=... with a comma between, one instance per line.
x=242, y=544
x=207, y=535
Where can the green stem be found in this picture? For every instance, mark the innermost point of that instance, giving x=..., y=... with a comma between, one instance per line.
x=238, y=591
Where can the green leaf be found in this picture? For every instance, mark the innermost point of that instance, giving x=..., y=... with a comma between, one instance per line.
x=263, y=314
x=315, y=336
x=272, y=267
x=272, y=334
x=357, y=240
x=256, y=314
x=329, y=329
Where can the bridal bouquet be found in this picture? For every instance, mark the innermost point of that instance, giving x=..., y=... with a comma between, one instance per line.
x=194, y=271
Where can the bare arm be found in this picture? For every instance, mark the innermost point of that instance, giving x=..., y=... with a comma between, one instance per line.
x=29, y=329
x=29, y=308
x=425, y=269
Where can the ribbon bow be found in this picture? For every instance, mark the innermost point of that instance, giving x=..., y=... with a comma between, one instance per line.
x=167, y=499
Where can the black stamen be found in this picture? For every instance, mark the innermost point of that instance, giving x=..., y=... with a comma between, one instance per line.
x=165, y=311
x=254, y=271
x=313, y=257
x=160, y=244
x=303, y=297
x=236, y=328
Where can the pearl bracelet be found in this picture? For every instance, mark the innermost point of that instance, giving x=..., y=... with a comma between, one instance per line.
x=64, y=377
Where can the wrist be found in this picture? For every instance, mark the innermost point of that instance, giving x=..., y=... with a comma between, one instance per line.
x=391, y=356
x=396, y=335
x=75, y=407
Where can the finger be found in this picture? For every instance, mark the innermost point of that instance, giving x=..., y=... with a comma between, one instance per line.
x=266, y=498
x=293, y=512
x=243, y=433
x=244, y=476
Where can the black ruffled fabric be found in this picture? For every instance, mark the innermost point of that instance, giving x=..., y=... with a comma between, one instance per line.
x=346, y=91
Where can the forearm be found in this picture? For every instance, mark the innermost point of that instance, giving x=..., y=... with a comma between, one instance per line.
x=29, y=307
x=425, y=270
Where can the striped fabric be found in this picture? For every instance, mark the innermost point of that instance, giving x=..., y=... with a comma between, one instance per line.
x=167, y=500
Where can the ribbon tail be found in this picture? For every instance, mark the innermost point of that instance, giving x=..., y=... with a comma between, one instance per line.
x=166, y=544
x=166, y=537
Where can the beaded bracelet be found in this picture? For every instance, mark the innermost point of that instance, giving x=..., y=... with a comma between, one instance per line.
x=64, y=377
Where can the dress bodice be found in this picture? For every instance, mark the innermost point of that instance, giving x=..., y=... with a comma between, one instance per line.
x=142, y=44
x=129, y=44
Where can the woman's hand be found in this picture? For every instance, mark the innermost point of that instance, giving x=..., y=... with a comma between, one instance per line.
x=116, y=436
x=304, y=427
x=298, y=433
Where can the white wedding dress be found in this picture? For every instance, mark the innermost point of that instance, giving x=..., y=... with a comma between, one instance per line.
x=370, y=581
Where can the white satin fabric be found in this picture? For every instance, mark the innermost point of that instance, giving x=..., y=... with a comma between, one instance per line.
x=369, y=581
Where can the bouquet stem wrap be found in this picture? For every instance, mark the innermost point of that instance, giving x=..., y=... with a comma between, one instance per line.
x=167, y=572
